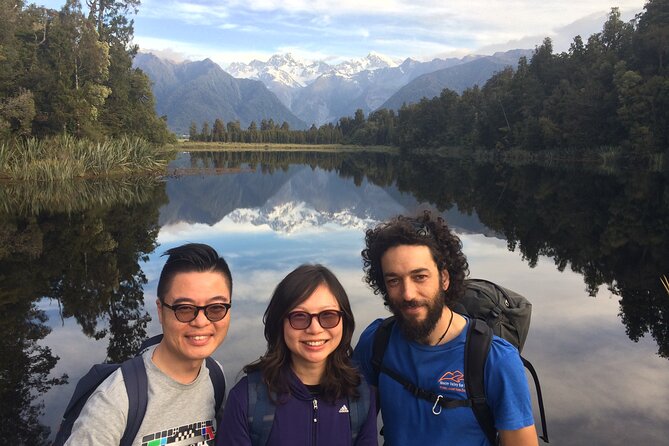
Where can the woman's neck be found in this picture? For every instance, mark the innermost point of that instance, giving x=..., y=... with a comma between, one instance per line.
x=308, y=373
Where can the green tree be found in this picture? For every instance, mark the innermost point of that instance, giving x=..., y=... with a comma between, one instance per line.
x=218, y=131
x=110, y=18
x=192, y=132
x=652, y=39
x=16, y=114
x=205, y=135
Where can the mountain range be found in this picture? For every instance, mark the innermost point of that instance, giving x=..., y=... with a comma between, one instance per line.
x=291, y=199
x=455, y=77
x=202, y=92
x=285, y=88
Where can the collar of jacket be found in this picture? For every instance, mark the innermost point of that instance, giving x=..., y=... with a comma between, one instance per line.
x=297, y=388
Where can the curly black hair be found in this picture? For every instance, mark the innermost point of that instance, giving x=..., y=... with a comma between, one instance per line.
x=423, y=230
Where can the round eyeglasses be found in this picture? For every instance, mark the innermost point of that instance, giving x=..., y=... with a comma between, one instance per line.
x=187, y=312
x=301, y=320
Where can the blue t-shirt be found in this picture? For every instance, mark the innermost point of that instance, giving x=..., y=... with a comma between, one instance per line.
x=409, y=420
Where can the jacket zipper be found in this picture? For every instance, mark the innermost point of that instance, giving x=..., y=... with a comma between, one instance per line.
x=315, y=420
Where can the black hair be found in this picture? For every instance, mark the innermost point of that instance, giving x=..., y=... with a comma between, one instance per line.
x=191, y=257
x=423, y=230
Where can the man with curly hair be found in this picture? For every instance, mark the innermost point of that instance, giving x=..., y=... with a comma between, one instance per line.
x=417, y=265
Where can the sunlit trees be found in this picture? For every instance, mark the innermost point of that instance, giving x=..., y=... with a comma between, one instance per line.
x=76, y=70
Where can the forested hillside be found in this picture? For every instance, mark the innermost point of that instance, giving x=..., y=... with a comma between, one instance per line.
x=609, y=90
x=67, y=72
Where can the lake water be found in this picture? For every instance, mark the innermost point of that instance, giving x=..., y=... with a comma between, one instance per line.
x=79, y=265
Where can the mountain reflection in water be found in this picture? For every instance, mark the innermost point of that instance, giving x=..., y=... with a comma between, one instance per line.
x=587, y=248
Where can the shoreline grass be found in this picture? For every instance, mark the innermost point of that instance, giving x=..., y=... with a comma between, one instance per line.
x=190, y=146
x=65, y=157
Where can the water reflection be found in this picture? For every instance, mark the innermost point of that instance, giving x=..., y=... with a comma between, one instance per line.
x=24, y=198
x=84, y=254
x=79, y=276
x=609, y=228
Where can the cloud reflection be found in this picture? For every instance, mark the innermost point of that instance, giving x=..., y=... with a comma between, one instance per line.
x=599, y=386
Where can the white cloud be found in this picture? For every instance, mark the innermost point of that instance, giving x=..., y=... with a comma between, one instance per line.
x=189, y=12
x=186, y=50
x=422, y=29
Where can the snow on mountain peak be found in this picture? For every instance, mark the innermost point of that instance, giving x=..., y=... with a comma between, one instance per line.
x=291, y=217
x=304, y=72
x=280, y=68
x=373, y=61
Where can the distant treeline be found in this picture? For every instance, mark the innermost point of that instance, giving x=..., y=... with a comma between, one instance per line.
x=67, y=72
x=611, y=91
x=268, y=132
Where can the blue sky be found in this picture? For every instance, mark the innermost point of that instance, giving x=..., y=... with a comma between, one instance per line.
x=239, y=31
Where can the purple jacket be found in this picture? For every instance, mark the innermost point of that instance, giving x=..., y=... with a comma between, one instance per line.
x=296, y=422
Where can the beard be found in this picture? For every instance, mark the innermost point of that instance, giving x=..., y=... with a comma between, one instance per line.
x=419, y=330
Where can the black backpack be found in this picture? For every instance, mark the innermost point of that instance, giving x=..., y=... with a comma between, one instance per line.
x=492, y=310
x=261, y=409
x=136, y=385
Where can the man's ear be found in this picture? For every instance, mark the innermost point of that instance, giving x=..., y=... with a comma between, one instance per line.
x=160, y=313
x=445, y=279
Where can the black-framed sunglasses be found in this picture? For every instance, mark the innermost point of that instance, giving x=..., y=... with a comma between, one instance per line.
x=301, y=320
x=188, y=312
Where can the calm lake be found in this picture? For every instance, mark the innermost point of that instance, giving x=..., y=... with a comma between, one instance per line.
x=79, y=265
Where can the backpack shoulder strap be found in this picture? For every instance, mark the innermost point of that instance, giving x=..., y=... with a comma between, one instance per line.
x=540, y=399
x=146, y=343
x=380, y=344
x=217, y=381
x=136, y=386
x=84, y=388
x=260, y=411
x=477, y=346
x=359, y=409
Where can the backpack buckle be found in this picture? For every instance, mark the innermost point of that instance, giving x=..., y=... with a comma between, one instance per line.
x=436, y=404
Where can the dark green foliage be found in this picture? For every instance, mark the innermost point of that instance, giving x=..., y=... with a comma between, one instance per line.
x=63, y=72
x=267, y=133
x=97, y=279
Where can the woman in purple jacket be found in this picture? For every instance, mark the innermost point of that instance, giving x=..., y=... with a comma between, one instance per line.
x=305, y=388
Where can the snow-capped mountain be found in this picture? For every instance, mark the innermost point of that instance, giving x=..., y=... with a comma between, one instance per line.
x=373, y=61
x=317, y=92
x=285, y=69
x=291, y=217
x=286, y=76
x=202, y=92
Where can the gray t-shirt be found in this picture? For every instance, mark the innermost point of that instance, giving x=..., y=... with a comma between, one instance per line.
x=181, y=414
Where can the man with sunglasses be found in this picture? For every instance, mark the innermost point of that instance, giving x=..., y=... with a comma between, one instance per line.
x=417, y=265
x=194, y=298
